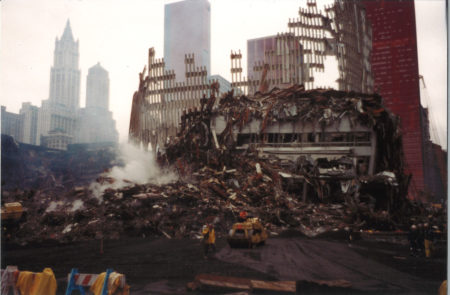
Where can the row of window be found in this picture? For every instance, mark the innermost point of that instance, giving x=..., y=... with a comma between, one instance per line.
x=330, y=137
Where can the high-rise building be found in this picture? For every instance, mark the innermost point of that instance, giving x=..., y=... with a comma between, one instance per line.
x=60, y=121
x=95, y=122
x=59, y=111
x=97, y=88
x=29, y=118
x=65, y=75
x=187, y=30
x=396, y=76
x=11, y=124
x=283, y=56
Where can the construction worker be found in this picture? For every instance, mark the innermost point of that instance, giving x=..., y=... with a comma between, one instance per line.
x=420, y=239
x=412, y=238
x=242, y=216
x=429, y=237
x=209, y=239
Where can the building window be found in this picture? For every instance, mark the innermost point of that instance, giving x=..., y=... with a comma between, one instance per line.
x=311, y=137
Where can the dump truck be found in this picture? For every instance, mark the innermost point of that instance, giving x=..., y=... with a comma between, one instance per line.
x=248, y=233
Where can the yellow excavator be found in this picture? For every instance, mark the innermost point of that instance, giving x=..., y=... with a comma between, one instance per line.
x=248, y=233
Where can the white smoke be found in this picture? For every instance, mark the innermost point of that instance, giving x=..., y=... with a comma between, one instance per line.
x=77, y=205
x=140, y=168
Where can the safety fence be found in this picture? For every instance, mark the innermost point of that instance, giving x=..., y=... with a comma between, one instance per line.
x=18, y=282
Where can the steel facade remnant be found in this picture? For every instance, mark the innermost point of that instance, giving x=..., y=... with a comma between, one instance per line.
x=160, y=101
x=293, y=57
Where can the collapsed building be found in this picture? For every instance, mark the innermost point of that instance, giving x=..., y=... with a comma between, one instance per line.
x=340, y=33
x=314, y=161
x=328, y=144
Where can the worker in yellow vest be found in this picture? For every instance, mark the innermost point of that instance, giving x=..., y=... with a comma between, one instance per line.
x=209, y=239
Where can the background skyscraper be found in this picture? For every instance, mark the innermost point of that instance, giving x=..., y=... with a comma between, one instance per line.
x=396, y=75
x=29, y=118
x=95, y=122
x=97, y=88
x=57, y=117
x=65, y=75
x=187, y=29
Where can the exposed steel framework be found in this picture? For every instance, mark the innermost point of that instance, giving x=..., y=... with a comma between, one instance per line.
x=160, y=101
x=341, y=31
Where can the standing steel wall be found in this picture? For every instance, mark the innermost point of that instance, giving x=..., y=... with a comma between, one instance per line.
x=396, y=75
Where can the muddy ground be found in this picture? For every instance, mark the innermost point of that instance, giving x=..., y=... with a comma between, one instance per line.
x=164, y=266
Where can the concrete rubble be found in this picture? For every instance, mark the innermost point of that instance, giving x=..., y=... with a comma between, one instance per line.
x=216, y=181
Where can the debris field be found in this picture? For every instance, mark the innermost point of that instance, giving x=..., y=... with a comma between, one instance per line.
x=216, y=181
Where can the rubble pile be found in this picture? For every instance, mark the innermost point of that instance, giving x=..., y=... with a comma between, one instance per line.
x=27, y=166
x=197, y=145
x=216, y=182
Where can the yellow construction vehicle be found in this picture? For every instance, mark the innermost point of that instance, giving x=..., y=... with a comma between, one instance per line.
x=248, y=233
x=12, y=211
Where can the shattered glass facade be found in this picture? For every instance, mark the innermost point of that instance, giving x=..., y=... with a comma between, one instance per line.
x=341, y=32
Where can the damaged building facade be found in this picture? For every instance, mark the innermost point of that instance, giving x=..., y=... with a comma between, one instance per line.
x=337, y=42
x=161, y=101
x=324, y=145
x=341, y=33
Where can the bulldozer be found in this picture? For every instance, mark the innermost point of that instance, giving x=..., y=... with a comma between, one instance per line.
x=12, y=211
x=248, y=233
x=12, y=215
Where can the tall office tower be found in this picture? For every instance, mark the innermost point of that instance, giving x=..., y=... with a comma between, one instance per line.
x=29, y=122
x=97, y=88
x=11, y=124
x=57, y=117
x=282, y=54
x=95, y=122
x=396, y=76
x=65, y=75
x=187, y=30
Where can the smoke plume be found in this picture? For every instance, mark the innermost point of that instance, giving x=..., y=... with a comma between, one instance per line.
x=139, y=167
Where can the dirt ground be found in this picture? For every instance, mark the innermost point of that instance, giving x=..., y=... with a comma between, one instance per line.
x=163, y=266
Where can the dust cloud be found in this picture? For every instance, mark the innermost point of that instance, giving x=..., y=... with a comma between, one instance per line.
x=139, y=167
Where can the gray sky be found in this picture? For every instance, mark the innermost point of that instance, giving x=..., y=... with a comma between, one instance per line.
x=118, y=33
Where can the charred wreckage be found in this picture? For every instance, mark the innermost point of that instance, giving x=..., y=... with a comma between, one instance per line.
x=318, y=145
x=315, y=161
